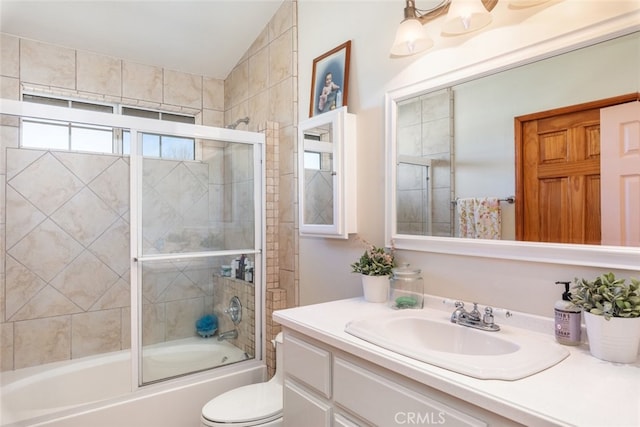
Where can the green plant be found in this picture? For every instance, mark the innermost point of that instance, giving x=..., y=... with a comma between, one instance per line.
x=607, y=296
x=374, y=262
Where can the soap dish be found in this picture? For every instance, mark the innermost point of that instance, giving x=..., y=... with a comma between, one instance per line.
x=406, y=302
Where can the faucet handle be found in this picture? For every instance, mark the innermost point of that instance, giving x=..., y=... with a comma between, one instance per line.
x=475, y=314
x=459, y=305
x=488, y=316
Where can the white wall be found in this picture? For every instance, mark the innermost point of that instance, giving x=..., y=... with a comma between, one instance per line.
x=324, y=264
x=485, y=108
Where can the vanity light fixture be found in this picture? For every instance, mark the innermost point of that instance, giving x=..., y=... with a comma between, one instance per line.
x=411, y=37
x=463, y=16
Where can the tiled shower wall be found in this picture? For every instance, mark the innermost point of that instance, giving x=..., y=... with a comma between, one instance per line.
x=42, y=68
x=226, y=288
x=264, y=86
x=67, y=244
x=425, y=129
x=318, y=206
x=67, y=265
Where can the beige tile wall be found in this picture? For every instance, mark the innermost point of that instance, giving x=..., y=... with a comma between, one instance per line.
x=271, y=96
x=44, y=68
x=224, y=289
x=68, y=245
x=318, y=190
x=67, y=268
x=425, y=127
x=101, y=311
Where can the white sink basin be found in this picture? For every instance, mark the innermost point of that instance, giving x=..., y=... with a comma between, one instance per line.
x=429, y=336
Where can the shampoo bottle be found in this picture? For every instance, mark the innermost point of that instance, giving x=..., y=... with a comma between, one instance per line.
x=567, y=319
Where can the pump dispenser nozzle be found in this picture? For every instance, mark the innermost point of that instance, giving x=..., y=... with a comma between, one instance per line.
x=566, y=295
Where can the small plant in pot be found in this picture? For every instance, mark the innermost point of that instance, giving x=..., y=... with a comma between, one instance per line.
x=611, y=310
x=374, y=262
x=375, y=266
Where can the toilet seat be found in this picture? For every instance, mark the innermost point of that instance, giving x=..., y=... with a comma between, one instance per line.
x=245, y=406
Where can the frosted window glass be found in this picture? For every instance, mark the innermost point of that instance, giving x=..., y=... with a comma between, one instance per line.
x=93, y=140
x=45, y=135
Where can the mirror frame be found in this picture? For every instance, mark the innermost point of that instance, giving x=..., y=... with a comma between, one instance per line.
x=616, y=257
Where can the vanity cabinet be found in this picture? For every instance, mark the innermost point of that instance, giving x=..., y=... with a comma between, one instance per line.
x=327, y=174
x=304, y=408
x=307, y=384
x=325, y=386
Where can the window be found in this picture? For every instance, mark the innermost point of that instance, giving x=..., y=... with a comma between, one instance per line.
x=164, y=146
x=54, y=135
x=312, y=160
x=57, y=135
x=158, y=115
x=41, y=134
x=59, y=102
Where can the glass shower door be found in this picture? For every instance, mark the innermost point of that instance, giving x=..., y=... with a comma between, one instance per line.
x=199, y=245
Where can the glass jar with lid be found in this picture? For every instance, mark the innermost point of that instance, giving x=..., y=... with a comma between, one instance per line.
x=407, y=288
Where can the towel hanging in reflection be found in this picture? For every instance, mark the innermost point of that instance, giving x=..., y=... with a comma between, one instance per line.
x=479, y=218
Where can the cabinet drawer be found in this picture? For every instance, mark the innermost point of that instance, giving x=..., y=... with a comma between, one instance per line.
x=309, y=364
x=385, y=403
x=303, y=409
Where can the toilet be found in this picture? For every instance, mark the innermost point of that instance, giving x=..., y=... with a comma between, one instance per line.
x=251, y=405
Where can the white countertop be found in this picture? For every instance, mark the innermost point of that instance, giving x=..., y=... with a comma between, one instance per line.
x=580, y=391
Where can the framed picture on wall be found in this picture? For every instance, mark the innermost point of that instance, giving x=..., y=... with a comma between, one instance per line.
x=330, y=80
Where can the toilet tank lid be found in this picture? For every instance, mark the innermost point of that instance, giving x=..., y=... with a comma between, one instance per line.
x=253, y=402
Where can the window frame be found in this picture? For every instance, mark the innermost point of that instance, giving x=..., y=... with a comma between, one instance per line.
x=117, y=146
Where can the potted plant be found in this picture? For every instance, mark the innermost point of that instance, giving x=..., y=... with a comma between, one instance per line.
x=375, y=266
x=611, y=310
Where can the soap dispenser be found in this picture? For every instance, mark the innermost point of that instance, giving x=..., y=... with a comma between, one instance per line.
x=567, y=319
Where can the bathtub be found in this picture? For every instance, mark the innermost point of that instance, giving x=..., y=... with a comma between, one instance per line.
x=57, y=393
x=180, y=357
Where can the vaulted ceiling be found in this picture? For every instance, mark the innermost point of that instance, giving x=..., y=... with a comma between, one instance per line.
x=205, y=37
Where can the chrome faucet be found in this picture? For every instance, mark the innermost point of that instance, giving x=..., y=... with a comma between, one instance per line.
x=458, y=311
x=473, y=318
x=229, y=335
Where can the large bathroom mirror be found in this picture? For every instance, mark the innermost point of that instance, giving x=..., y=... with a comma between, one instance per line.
x=454, y=141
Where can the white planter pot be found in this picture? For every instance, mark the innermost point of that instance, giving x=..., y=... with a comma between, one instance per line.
x=376, y=288
x=615, y=340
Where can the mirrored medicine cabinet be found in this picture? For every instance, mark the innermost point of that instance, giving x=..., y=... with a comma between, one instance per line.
x=327, y=174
